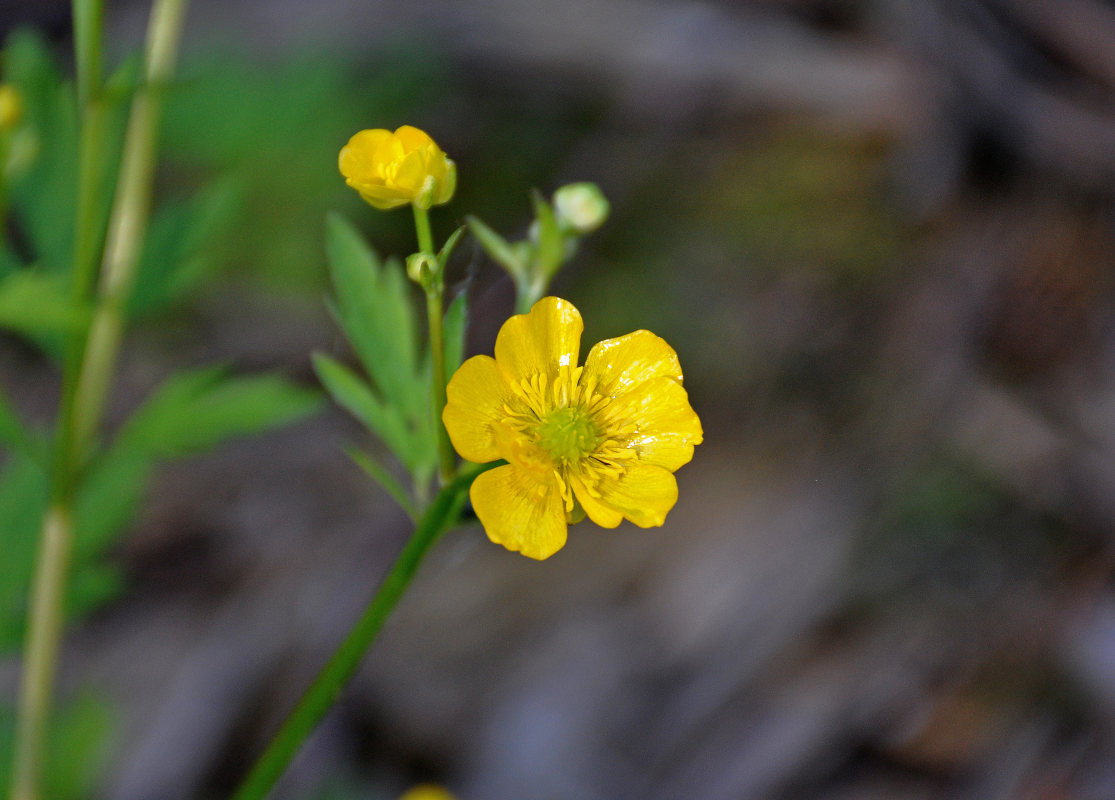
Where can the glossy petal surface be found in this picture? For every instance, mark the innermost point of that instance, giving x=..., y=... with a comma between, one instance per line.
x=474, y=414
x=541, y=342
x=520, y=512
x=618, y=365
x=643, y=493
x=665, y=426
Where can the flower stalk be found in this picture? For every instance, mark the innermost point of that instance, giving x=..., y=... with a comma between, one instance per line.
x=443, y=514
x=90, y=360
x=434, y=287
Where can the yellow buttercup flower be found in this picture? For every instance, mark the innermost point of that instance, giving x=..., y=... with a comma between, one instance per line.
x=396, y=169
x=601, y=439
x=11, y=107
x=427, y=791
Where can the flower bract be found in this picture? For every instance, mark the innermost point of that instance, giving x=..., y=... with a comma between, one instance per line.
x=601, y=440
x=397, y=169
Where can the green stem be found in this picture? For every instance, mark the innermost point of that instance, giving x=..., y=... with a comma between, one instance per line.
x=45, y=629
x=447, y=459
x=319, y=698
x=89, y=364
x=128, y=222
x=88, y=18
x=422, y=229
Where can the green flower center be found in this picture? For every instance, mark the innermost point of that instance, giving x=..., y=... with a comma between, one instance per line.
x=567, y=434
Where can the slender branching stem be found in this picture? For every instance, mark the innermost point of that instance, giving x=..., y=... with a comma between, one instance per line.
x=435, y=310
x=442, y=515
x=91, y=358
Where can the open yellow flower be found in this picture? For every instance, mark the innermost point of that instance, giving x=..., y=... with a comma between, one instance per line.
x=601, y=439
x=394, y=169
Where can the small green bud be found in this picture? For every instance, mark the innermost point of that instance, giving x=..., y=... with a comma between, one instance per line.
x=422, y=268
x=580, y=207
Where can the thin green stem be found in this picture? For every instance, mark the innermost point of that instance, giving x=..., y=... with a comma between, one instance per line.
x=89, y=364
x=88, y=19
x=45, y=629
x=422, y=229
x=447, y=461
x=127, y=223
x=435, y=311
x=442, y=515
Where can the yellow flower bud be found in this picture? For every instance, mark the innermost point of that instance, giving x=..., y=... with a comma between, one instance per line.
x=395, y=169
x=11, y=107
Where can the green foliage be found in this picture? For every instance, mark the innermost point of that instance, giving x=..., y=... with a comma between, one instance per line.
x=195, y=411
x=23, y=495
x=44, y=197
x=456, y=323
x=76, y=752
x=33, y=304
x=279, y=127
x=190, y=413
x=374, y=308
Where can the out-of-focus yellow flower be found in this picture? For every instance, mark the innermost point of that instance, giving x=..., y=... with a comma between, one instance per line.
x=601, y=439
x=396, y=169
x=11, y=107
x=427, y=791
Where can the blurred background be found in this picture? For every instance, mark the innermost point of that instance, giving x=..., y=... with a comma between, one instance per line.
x=879, y=235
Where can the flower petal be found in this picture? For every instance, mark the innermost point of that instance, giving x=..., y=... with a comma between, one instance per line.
x=618, y=365
x=474, y=413
x=665, y=426
x=540, y=342
x=520, y=512
x=643, y=493
x=356, y=159
x=413, y=138
x=379, y=196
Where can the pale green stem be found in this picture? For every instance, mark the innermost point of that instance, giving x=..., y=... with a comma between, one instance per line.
x=128, y=221
x=80, y=419
x=435, y=312
x=45, y=629
x=88, y=18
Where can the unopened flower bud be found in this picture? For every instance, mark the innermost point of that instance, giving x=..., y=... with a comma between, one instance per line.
x=422, y=268
x=580, y=207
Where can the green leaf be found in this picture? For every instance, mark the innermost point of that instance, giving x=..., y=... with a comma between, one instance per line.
x=550, y=252
x=358, y=398
x=44, y=195
x=456, y=323
x=76, y=752
x=34, y=303
x=194, y=411
x=175, y=255
x=498, y=248
x=108, y=499
x=15, y=435
x=448, y=248
x=23, y=496
x=384, y=478
x=373, y=305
